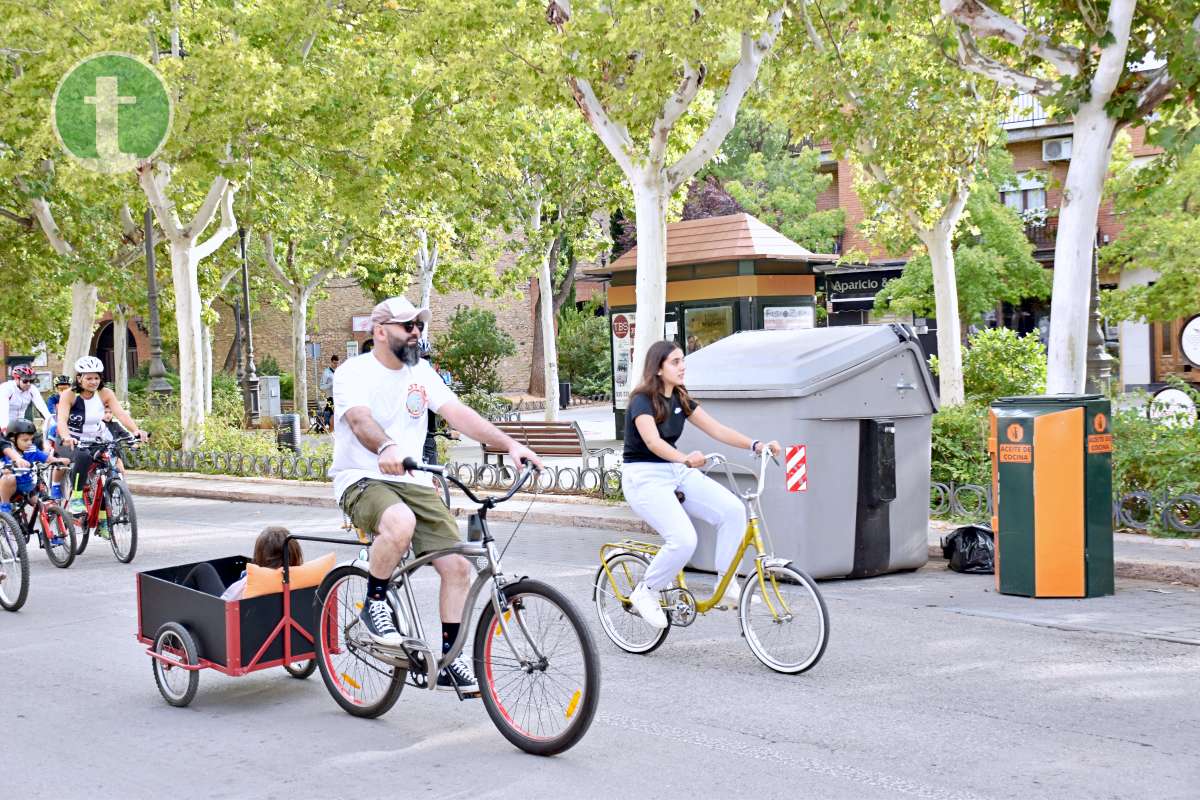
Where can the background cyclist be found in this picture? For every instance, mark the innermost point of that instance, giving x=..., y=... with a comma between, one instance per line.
x=18, y=394
x=81, y=411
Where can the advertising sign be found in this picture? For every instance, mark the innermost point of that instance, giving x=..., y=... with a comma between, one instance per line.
x=789, y=318
x=622, y=349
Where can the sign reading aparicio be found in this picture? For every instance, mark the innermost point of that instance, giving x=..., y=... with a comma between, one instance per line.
x=860, y=284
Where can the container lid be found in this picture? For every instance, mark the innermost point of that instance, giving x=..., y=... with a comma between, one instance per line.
x=786, y=363
x=1046, y=399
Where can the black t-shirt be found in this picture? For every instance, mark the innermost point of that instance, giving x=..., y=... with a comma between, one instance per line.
x=669, y=429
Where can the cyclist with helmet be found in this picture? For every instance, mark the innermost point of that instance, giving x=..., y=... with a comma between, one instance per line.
x=17, y=395
x=20, y=450
x=81, y=412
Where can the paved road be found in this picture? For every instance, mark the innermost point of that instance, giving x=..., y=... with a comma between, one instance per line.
x=933, y=687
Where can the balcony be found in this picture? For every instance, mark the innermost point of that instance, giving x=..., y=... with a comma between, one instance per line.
x=1042, y=234
x=1026, y=112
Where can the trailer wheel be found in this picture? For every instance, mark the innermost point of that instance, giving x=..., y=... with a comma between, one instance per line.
x=176, y=649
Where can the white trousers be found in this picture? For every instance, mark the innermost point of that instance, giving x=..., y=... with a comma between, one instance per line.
x=650, y=491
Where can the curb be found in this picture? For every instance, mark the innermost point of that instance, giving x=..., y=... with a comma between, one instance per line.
x=1187, y=574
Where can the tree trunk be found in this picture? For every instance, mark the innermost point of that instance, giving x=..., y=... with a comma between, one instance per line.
x=1091, y=150
x=121, y=354
x=945, y=294
x=191, y=345
x=84, y=297
x=299, y=302
x=537, y=371
x=546, y=326
x=427, y=265
x=650, y=198
x=206, y=349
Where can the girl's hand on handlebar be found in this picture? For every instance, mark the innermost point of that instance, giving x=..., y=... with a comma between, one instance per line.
x=772, y=445
x=20, y=462
x=695, y=459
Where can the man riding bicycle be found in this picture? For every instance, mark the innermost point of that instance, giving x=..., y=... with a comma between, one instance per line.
x=381, y=402
x=17, y=395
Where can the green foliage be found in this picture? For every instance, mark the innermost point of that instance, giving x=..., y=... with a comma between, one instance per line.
x=267, y=365
x=472, y=349
x=1161, y=209
x=486, y=404
x=1153, y=456
x=583, y=357
x=287, y=383
x=777, y=180
x=993, y=258
x=999, y=363
x=959, y=447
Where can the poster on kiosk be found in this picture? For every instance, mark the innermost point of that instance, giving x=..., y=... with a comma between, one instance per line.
x=622, y=350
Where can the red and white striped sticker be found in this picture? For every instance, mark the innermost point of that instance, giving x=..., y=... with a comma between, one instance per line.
x=797, y=468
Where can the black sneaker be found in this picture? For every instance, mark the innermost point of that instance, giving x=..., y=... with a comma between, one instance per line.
x=376, y=615
x=460, y=674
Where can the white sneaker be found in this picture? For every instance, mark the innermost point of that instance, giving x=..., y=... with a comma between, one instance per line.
x=732, y=593
x=645, y=603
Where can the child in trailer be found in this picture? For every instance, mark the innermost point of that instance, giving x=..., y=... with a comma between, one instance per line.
x=268, y=553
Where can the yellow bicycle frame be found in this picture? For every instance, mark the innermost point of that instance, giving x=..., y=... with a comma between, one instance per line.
x=751, y=539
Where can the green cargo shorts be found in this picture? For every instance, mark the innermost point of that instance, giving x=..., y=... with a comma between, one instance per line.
x=366, y=500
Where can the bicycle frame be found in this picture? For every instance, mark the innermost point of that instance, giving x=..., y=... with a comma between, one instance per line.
x=751, y=539
x=35, y=501
x=404, y=600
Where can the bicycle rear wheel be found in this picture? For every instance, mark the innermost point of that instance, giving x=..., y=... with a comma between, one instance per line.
x=541, y=683
x=784, y=619
x=55, y=525
x=122, y=521
x=361, y=684
x=621, y=623
x=14, y=565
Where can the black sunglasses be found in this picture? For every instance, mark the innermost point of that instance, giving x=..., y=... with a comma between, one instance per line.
x=418, y=324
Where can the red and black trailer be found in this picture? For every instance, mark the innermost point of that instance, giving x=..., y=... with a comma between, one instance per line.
x=186, y=630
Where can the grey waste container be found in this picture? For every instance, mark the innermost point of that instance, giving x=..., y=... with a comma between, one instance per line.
x=287, y=432
x=859, y=400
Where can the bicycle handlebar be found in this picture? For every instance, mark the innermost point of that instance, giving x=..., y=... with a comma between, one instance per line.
x=411, y=465
x=763, y=455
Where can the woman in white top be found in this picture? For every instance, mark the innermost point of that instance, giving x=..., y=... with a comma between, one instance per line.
x=81, y=411
x=18, y=394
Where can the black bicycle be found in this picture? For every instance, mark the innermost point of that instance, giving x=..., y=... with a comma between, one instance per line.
x=14, y=564
x=536, y=663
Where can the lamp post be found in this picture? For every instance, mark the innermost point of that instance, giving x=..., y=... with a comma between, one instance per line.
x=1099, y=362
x=250, y=386
x=158, y=381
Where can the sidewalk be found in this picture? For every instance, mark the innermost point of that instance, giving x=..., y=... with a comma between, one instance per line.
x=1140, y=557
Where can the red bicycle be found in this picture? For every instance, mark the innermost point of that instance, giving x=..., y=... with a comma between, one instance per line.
x=36, y=513
x=108, y=505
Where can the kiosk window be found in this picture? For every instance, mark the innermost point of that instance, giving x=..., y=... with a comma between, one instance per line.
x=703, y=326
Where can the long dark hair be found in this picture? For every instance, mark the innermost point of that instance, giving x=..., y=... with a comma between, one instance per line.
x=652, y=383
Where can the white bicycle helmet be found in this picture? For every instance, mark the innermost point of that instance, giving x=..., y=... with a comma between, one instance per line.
x=89, y=364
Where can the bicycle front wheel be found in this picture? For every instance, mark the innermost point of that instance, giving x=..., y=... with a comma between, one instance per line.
x=122, y=521
x=540, y=682
x=621, y=623
x=784, y=619
x=58, y=534
x=361, y=684
x=14, y=565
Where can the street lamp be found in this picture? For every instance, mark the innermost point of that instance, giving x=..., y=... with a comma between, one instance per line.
x=158, y=380
x=250, y=386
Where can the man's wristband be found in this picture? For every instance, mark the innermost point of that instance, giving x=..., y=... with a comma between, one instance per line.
x=754, y=445
x=384, y=446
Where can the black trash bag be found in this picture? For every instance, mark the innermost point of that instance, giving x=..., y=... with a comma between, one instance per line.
x=970, y=549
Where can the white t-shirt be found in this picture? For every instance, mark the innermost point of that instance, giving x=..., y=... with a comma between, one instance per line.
x=399, y=400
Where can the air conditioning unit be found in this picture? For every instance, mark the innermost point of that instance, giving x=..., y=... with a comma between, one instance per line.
x=1056, y=149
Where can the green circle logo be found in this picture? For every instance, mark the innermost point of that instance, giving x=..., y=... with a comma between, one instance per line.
x=111, y=111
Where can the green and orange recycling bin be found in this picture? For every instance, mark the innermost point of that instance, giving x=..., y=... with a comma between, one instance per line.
x=1052, y=484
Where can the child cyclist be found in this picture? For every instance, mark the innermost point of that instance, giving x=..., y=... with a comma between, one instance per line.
x=653, y=471
x=20, y=450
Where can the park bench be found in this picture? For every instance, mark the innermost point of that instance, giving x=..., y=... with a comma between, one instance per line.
x=549, y=440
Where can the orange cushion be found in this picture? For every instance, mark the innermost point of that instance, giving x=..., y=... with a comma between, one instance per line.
x=265, y=580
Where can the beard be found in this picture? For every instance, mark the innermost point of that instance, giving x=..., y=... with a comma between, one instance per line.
x=409, y=353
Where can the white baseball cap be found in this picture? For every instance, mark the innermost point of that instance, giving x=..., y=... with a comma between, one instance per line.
x=398, y=309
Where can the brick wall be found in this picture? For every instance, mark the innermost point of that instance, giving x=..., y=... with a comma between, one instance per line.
x=330, y=324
